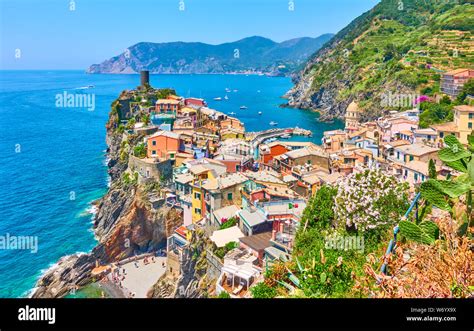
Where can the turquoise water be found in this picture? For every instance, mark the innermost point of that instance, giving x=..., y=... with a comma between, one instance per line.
x=52, y=159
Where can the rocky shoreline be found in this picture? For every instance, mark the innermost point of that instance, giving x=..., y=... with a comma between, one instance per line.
x=125, y=225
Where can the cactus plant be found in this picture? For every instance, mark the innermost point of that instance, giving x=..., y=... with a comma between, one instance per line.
x=425, y=233
x=439, y=192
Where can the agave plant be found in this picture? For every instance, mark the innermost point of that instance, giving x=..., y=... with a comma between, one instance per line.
x=440, y=192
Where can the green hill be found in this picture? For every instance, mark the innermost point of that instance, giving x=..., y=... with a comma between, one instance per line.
x=248, y=54
x=396, y=47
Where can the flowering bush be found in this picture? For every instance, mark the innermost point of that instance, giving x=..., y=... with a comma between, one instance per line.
x=369, y=199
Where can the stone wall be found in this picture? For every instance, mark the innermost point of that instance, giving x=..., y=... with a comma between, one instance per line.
x=151, y=170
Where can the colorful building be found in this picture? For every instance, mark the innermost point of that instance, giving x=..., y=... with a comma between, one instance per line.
x=163, y=145
x=453, y=81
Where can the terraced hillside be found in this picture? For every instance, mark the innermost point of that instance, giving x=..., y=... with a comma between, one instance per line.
x=392, y=48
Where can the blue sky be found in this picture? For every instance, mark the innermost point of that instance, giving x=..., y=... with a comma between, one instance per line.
x=50, y=36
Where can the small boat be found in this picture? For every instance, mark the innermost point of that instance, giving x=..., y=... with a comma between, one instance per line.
x=285, y=136
x=218, y=99
x=226, y=97
x=258, y=91
x=260, y=113
x=236, y=90
x=232, y=113
x=243, y=107
x=227, y=89
x=273, y=123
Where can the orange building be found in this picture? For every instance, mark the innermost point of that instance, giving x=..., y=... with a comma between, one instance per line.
x=269, y=151
x=163, y=144
x=167, y=106
x=231, y=123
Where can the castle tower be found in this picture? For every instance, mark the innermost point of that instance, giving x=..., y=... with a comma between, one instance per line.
x=144, y=78
x=352, y=116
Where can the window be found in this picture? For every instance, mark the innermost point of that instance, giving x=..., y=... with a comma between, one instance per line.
x=416, y=176
x=398, y=155
x=441, y=134
x=172, y=156
x=471, y=116
x=469, y=125
x=229, y=196
x=197, y=196
x=411, y=157
x=153, y=142
x=153, y=152
x=197, y=211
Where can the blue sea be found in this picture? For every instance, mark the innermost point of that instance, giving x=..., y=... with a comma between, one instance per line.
x=52, y=161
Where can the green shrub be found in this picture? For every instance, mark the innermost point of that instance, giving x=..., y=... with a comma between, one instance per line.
x=263, y=291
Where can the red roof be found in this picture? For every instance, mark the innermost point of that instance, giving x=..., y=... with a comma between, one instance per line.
x=182, y=231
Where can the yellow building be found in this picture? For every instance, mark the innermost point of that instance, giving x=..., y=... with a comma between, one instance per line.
x=352, y=116
x=462, y=125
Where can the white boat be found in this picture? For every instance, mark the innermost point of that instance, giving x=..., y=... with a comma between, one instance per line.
x=258, y=91
x=236, y=90
x=243, y=107
x=273, y=123
x=285, y=136
x=227, y=89
x=218, y=99
x=232, y=113
x=260, y=113
x=226, y=97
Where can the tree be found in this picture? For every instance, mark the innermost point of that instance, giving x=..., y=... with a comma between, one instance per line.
x=468, y=89
x=146, y=119
x=139, y=151
x=432, y=169
x=228, y=223
x=370, y=199
x=131, y=123
x=319, y=211
x=223, y=295
x=263, y=291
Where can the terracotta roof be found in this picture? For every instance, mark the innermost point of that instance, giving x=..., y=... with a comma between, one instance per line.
x=464, y=108
x=456, y=71
x=416, y=149
x=447, y=127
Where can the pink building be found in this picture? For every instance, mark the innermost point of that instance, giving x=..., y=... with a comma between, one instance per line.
x=392, y=127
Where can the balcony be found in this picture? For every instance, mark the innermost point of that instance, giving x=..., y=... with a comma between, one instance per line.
x=284, y=240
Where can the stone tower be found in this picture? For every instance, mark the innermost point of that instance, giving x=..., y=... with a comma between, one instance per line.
x=352, y=115
x=144, y=78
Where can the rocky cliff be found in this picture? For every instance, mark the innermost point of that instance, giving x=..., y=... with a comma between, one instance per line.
x=125, y=224
x=396, y=48
x=192, y=281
